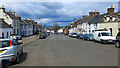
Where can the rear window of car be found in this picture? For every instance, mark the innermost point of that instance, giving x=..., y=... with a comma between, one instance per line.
x=4, y=44
x=74, y=33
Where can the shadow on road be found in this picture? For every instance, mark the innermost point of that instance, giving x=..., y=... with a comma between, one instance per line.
x=22, y=58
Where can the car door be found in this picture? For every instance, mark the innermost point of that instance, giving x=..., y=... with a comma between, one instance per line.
x=98, y=37
x=16, y=46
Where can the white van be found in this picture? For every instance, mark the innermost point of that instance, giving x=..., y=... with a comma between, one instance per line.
x=104, y=37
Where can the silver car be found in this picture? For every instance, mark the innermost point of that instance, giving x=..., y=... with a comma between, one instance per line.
x=10, y=49
x=19, y=37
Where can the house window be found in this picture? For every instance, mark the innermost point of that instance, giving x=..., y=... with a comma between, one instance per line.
x=17, y=31
x=89, y=31
x=3, y=35
x=14, y=31
x=7, y=34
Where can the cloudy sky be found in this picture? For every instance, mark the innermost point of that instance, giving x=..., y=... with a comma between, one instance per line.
x=56, y=12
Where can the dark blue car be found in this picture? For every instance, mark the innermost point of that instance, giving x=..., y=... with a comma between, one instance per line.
x=79, y=36
x=88, y=37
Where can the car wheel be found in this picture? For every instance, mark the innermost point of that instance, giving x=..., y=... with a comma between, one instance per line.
x=101, y=41
x=117, y=45
x=21, y=52
x=17, y=60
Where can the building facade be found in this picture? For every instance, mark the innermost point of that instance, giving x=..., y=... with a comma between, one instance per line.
x=5, y=29
x=10, y=18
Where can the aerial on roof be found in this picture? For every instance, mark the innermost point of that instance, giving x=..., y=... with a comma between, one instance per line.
x=3, y=24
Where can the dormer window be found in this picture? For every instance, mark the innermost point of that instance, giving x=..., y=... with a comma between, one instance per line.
x=114, y=19
x=107, y=19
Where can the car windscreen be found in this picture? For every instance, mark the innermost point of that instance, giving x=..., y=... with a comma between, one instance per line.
x=106, y=34
x=75, y=33
x=90, y=35
x=4, y=44
x=13, y=35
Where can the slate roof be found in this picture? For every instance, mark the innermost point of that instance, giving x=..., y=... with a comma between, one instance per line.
x=11, y=15
x=87, y=19
x=96, y=19
x=3, y=24
x=27, y=21
x=99, y=18
x=22, y=22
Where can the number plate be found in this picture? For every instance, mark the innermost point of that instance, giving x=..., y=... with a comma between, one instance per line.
x=110, y=41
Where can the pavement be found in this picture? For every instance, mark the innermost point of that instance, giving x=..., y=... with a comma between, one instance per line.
x=61, y=50
x=29, y=39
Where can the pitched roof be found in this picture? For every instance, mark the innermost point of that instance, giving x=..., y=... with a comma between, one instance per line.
x=11, y=15
x=96, y=19
x=3, y=24
x=99, y=18
x=27, y=21
x=87, y=19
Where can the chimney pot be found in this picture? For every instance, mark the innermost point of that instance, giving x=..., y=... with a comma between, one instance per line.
x=111, y=6
x=2, y=6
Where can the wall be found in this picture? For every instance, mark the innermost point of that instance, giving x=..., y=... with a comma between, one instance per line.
x=113, y=25
x=5, y=30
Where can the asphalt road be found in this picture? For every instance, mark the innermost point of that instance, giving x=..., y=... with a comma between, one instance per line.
x=60, y=50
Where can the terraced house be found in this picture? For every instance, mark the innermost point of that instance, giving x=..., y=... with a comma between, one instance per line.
x=109, y=22
x=5, y=29
x=10, y=18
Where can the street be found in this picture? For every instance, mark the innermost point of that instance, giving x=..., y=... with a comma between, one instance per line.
x=61, y=50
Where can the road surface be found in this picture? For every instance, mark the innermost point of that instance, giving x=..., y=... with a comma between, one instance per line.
x=61, y=50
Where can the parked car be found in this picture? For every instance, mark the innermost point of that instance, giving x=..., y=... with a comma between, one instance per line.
x=89, y=37
x=74, y=35
x=79, y=36
x=19, y=37
x=42, y=36
x=85, y=36
x=118, y=40
x=70, y=34
x=47, y=34
x=104, y=37
x=10, y=50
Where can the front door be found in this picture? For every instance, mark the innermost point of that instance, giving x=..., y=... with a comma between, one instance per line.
x=7, y=34
x=17, y=31
x=3, y=35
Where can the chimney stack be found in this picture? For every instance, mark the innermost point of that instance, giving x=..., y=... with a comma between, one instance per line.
x=85, y=16
x=3, y=8
x=94, y=13
x=110, y=10
x=18, y=16
x=13, y=13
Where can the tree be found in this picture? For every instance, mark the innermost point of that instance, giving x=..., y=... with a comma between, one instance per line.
x=56, y=27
